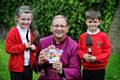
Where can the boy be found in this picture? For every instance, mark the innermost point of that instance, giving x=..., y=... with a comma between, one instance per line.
x=94, y=48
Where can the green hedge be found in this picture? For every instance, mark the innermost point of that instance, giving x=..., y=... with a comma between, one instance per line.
x=74, y=10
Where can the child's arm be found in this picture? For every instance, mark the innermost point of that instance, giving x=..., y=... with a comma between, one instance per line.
x=11, y=46
x=80, y=45
x=106, y=50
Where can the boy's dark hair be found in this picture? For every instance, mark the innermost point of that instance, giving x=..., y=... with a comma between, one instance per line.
x=93, y=13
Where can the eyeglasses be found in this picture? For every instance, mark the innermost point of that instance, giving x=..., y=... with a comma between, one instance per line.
x=62, y=26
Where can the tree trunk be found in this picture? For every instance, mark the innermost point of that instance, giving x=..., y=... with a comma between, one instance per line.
x=114, y=32
x=3, y=30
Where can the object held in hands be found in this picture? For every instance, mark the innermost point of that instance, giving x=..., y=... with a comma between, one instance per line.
x=89, y=43
x=54, y=55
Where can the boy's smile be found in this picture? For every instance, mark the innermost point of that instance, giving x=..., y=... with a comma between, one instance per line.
x=92, y=24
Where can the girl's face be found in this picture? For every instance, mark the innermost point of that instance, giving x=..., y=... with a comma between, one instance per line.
x=24, y=20
x=93, y=24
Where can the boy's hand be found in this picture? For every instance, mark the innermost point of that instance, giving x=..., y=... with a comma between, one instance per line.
x=93, y=59
x=89, y=58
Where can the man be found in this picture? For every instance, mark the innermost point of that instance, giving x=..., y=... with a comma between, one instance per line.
x=68, y=66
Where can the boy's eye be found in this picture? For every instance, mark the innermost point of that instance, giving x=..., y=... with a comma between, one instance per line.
x=92, y=21
x=95, y=21
x=89, y=21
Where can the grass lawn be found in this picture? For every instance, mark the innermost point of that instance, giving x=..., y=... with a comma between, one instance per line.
x=112, y=70
x=4, y=73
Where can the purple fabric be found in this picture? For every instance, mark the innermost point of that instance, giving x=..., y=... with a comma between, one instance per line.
x=69, y=59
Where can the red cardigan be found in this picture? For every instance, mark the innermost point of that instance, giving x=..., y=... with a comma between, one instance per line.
x=101, y=49
x=16, y=48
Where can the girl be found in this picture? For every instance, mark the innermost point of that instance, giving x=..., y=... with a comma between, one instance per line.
x=20, y=44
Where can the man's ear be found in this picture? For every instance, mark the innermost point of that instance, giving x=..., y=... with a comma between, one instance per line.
x=67, y=29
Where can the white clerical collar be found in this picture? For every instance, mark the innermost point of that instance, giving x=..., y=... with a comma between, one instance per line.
x=89, y=32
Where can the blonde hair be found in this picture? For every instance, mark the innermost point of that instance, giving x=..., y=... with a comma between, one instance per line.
x=23, y=9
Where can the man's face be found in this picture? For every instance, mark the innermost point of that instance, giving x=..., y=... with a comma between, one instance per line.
x=24, y=20
x=92, y=24
x=59, y=28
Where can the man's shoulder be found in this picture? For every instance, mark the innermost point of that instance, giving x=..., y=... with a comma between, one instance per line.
x=46, y=39
x=72, y=45
x=72, y=42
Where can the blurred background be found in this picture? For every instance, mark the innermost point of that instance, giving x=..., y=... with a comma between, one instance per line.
x=74, y=10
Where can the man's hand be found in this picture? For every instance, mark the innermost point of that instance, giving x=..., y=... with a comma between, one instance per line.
x=58, y=67
x=42, y=58
x=44, y=54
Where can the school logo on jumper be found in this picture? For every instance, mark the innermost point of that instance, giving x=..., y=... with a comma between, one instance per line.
x=99, y=43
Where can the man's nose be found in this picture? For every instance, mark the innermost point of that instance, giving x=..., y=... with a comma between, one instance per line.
x=59, y=27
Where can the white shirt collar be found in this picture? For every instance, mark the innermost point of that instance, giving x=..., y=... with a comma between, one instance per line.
x=21, y=29
x=88, y=31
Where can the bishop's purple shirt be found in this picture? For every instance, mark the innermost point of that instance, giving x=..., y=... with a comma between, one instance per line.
x=69, y=58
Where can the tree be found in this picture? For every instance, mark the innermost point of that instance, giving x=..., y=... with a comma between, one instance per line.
x=114, y=32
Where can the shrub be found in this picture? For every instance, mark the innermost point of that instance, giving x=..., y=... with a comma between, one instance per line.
x=74, y=10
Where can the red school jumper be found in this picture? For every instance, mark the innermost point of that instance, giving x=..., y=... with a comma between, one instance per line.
x=16, y=48
x=100, y=49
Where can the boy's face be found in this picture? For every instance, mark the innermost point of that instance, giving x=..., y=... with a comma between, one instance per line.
x=92, y=24
x=24, y=20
